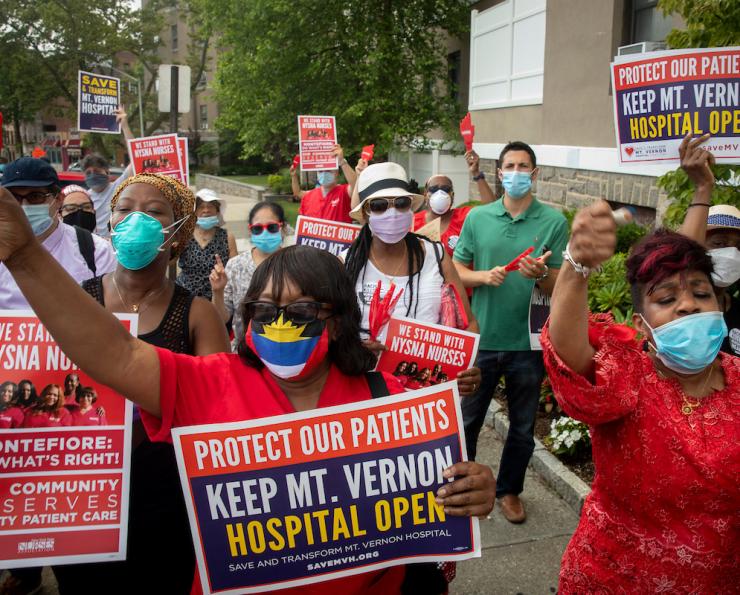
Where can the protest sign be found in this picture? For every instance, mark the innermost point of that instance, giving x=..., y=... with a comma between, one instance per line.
x=327, y=235
x=64, y=474
x=98, y=97
x=421, y=354
x=182, y=145
x=661, y=97
x=317, y=136
x=291, y=500
x=156, y=155
x=539, y=312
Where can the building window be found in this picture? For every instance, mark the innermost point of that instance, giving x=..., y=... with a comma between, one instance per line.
x=204, y=117
x=507, y=54
x=648, y=21
x=202, y=81
x=173, y=35
x=454, y=63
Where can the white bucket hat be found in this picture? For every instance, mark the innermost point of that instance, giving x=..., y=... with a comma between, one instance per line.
x=208, y=195
x=385, y=180
x=723, y=217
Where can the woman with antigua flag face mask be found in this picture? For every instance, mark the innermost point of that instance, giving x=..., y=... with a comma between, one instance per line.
x=663, y=408
x=718, y=228
x=298, y=291
x=230, y=283
x=210, y=241
x=152, y=218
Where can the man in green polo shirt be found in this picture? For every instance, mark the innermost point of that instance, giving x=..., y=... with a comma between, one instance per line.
x=492, y=236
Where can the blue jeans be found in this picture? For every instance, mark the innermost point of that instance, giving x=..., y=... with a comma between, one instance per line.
x=523, y=372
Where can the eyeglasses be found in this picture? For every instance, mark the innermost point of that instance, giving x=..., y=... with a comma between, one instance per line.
x=298, y=312
x=33, y=198
x=258, y=228
x=445, y=188
x=381, y=205
x=88, y=207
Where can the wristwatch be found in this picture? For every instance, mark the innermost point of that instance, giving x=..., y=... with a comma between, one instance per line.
x=480, y=176
x=544, y=274
x=577, y=266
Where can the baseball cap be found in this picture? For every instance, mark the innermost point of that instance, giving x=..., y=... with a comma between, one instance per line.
x=27, y=171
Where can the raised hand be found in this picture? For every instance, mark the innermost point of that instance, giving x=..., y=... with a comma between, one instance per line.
x=15, y=231
x=593, y=235
x=697, y=161
x=218, y=276
x=338, y=152
x=121, y=115
x=473, y=161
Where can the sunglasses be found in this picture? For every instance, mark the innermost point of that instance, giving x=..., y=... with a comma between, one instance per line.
x=70, y=209
x=381, y=205
x=258, y=228
x=445, y=188
x=298, y=313
x=33, y=198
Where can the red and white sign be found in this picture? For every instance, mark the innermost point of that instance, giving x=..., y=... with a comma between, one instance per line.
x=317, y=136
x=182, y=144
x=64, y=470
x=157, y=155
x=421, y=354
x=326, y=235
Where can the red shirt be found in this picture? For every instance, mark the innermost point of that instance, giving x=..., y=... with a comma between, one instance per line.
x=452, y=233
x=46, y=420
x=90, y=418
x=335, y=206
x=221, y=388
x=12, y=417
x=662, y=516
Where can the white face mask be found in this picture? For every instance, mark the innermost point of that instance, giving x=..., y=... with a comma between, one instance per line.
x=726, y=263
x=440, y=202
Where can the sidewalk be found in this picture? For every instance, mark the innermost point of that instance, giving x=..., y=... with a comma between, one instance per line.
x=517, y=559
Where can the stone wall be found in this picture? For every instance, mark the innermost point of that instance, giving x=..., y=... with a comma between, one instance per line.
x=567, y=188
x=230, y=187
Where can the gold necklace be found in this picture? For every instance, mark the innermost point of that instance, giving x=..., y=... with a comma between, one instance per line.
x=398, y=269
x=137, y=308
x=688, y=407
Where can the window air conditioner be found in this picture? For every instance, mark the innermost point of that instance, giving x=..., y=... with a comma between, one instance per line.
x=641, y=48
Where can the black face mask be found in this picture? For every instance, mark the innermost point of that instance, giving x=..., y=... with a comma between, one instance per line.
x=81, y=219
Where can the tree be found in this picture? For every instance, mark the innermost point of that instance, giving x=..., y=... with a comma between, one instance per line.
x=709, y=23
x=376, y=66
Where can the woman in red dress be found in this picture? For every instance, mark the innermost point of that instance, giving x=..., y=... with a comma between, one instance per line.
x=664, y=415
x=49, y=411
x=11, y=416
x=85, y=414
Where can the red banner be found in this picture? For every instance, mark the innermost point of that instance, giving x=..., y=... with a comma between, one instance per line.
x=157, y=155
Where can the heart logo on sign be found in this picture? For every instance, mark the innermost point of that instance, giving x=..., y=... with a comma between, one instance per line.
x=629, y=150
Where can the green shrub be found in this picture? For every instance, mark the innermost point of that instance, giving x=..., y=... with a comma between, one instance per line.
x=279, y=183
x=608, y=291
x=628, y=235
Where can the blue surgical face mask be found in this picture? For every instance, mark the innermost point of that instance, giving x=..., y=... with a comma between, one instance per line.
x=39, y=218
x=517, y=183
x=208, y=222
x=97, y=182
x=267, y=242
x=325, y=178
x=139, y=238
x=689, y=344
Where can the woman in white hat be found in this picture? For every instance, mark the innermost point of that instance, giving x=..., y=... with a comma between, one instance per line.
x=718, y=228
x=209, y=240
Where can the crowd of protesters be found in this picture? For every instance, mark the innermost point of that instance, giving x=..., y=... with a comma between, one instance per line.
x=661, y=396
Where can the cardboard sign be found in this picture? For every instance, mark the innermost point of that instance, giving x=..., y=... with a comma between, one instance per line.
x=64, y=474
x=539, y=312
x=157, y=155
x=317, y=136
x=661, y=97
x=98, y=98
x=326, y=235
x=296, y=499
x=421, y=354
x=182, y=145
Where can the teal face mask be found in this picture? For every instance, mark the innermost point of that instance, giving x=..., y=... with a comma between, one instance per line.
x=139, y=238
x=208, y=222
x=517, y=183
x=267, y=242
x=39, y=218
x=689, y=344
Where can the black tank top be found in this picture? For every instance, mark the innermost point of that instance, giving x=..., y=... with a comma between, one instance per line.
x=173, y=332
